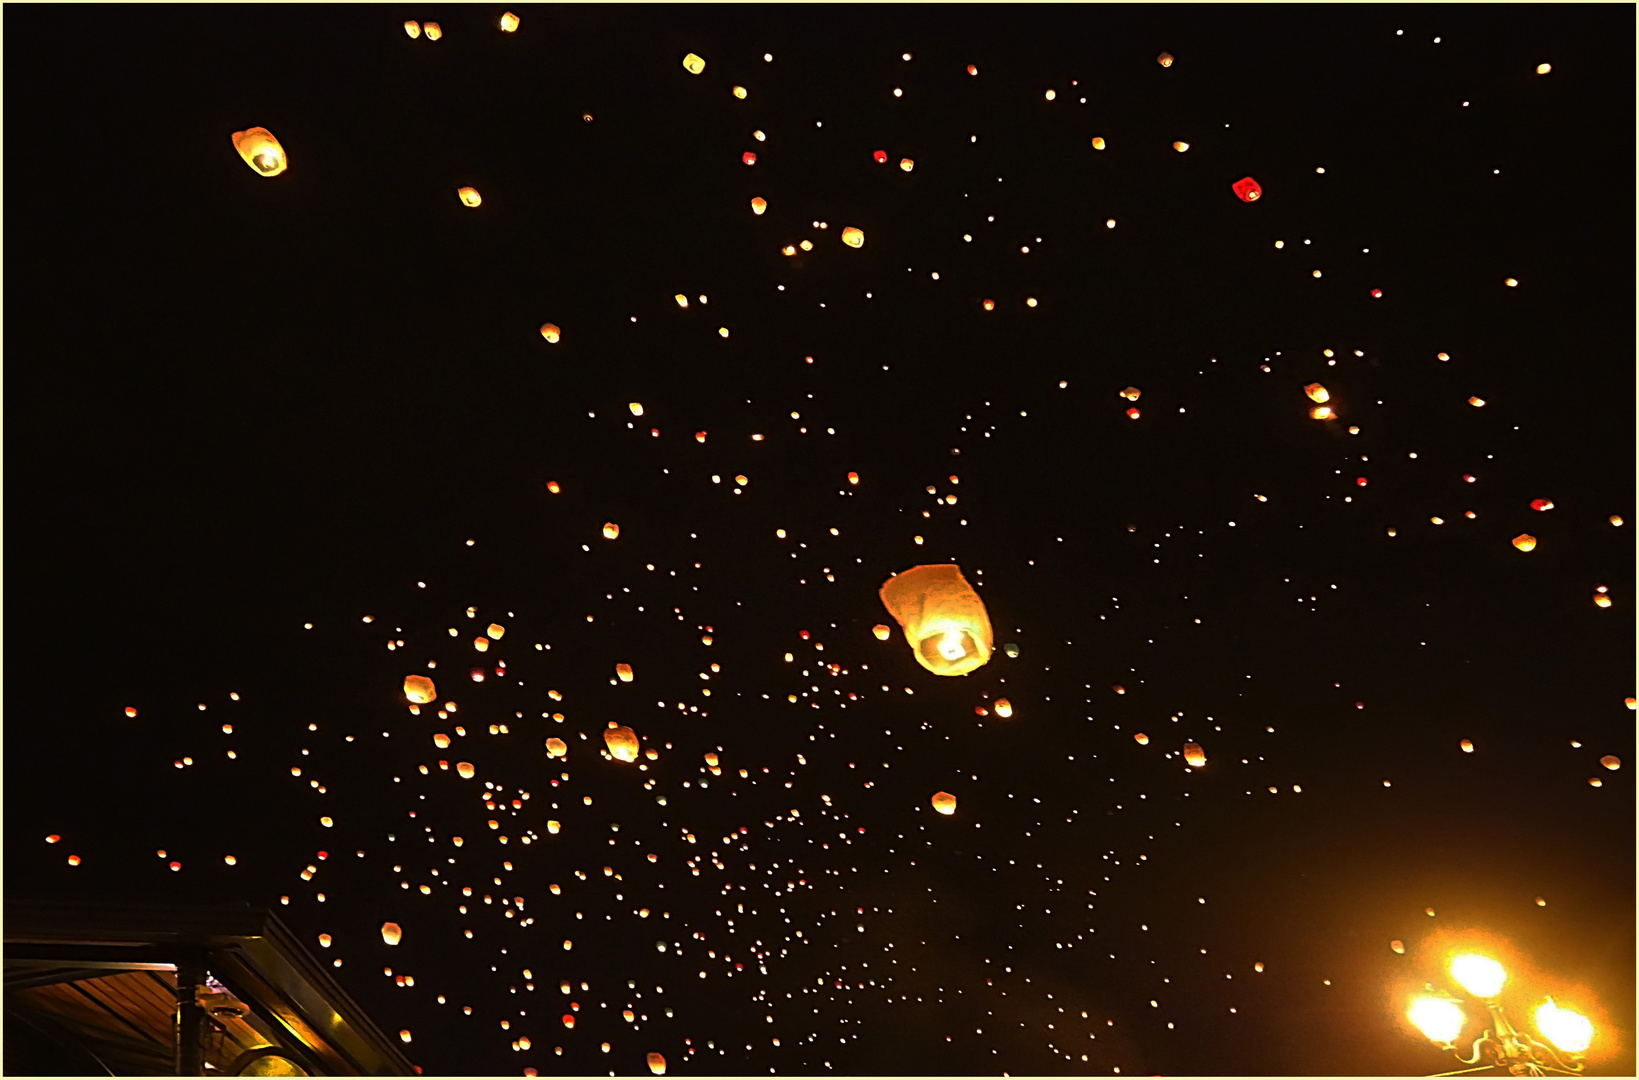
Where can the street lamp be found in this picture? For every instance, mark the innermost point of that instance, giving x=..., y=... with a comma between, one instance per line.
x=1439, y=1015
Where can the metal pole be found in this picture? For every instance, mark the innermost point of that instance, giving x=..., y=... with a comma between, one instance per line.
x=190, y=1018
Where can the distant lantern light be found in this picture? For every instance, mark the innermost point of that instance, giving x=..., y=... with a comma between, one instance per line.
x=906, y=164
x=1141, y=739
x=553, y=486
x=610, y=530
x=1467, y=745
x=1180, y=146
x=749, y=158
x=740, y=92
x=1165, y=59
x=130, y=710
x=990, y=305
x=419, y=689
x=693, y=64
x=1477, y=402
x=1398, y=946
x=1601, y=600
x=1322, y=412
x=391, y=933
x=509, y=23
x=972, y=69
x=944, y=802
x=325, y=940
x=944, y=619
x=261, y=151
x=469, y=196
x=1134, y=413
x=1132, y=393
x=853, y=237
x=1543, y=69
x=496, y=631
x=1194, y=756
x=434, y=32
x=758, y=205
x=1510, y=282
x=1616, y=519
x=412, y=28
x=1317, y=393
x=1247, y=189
x=1098, y=142
x=880, y=157
x=623, y=672
x=1525, y=541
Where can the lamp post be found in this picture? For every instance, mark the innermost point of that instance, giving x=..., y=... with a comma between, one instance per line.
x=1439, y=1015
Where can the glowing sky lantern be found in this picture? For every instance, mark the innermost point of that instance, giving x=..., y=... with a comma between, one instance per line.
x=881, y=630
x=749, y=158
x=1478, y=403
x=434, y=32
x=943, y=618
x=1611, y=762
x=1165, y=59
x=1398, y=946
x=1542, y=504
x=412, y=28
x=419, y=689
x=1132, y=393
x=853, y=237
x=130, y=710
x=496, y=631
x=907, y=164
x=1194, y=756
x=610, y=530
x=1141, y=739
x=693, y=64
x=1133, y=413
x=391, y=933
x=465, y=770
x=1180, y=146
x=944, y=802
x=621, y=741
x=1322, y=412
x=1525, y=541
x=1098, y=142
x=1467, y=745
x=556, y=747
x=324, y=940
x=758, y=205
x=1247, y=189
x=553, y=827
x=740, y=92
x=1317, y=393
x=623, y=672
x=469, y=196
x=990, y=305
x=880, y=157
x=712, y=759
x=657, y=1064
x=261, y=151
x=551, y=333
x=1004, y=708
x=509, y=23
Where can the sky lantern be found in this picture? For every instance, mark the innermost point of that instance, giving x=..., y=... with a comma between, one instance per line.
x=391, y=933
x=1165, y=59
x=1141, y=739
x=1180, y=146
x=1004, y=708
x=412, y=28
x=131, y=710
x=880, y=157
x=881, y=630
x=990, y=305
x=324, y=940
x=419, y=689
x=943, y=617
x=1525, y=541
x=261, y=151
x=944, y=802
x=1542, y=504
x=610, y=530
x=624, y=672
x=749, y=158
x=712, y=759
x=621, y=741
x=469, y=196
x=853, y=237
x=1467, y=745
x=1133, y=413
x=1132, y=393
x=509, y=23
x=758, y=205
x=434, y=32
x=907, y=164
x=1317, y=393
x=1247, y=189
x=551, y=333
x=1194, y=756
x=1477, y=402
x=465, y=770
x=556, y=747
x=496, y=631
x=657, y=1064
x=1098, y=142
x=693, y=64
x=740, y=92
x=1322, y=412
x=441, y=741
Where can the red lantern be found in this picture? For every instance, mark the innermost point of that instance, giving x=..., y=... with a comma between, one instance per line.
x=1133, y=413
x=1377, y=294
x=1541, y=504
x=1247, y=189
x=749, y=158
x=881, y=157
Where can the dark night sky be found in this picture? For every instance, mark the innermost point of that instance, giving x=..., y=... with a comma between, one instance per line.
x=241, y=404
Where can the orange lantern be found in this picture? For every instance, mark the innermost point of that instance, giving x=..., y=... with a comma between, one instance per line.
x=1322, y=412
x=1004, y=708
x=610, y=530
x=469, y=196
x=553, y=827
x=1165, y=59
x=749, y=158
x=556, y=747
x=1247, y=189
x=441, y=741
x=261, y=151
x=324, y=940
x=465, y=769
x=553, y=486
x=1467, y=745
x=1132, y=393
x=1525, y=541
x=624, y=672
x=944, y=802
x=1098, y=142
x=621, y=741
x=693, y=64
x=1134, y=413
x=711, y=759
x=1180, y=146
x=1194, y=756
x=907, y=164
x=1141, y=739
x=419, y=689
x=509, y=23
x=551, y=333
x=495, y=630
x=1611, y=762
x=853, y=237
x=412, y=28
x=433, y=31
x=943, y=618
x=1317, y=393
x=881, y=631
x=657, y=1064
x=990, y=305
x=391, y=933
x=758, y=205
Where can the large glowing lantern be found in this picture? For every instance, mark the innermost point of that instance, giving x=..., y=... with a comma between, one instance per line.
x=1525, y=541
x=1194, y=756
x=465, y=770
x=622, y=742
x=433, y=31
x=881, y=630
x=261, y=151
x=1004, y=708
x=1247, y=189
x=694, y=64
x=419, y=689
x=657, y=1064
x=469, y=196
x=556, y=747
x=610, y=530
x=1165, y=59
x=758, y=205
x=1317, y=393
x=943, y=617
x=391, y=933
x=1132, y=393
x=853, y=237
x=509, y=22
x=624, y=672
x=944, y=802
x=495, y=630
x=412, y=28
x=551, y=333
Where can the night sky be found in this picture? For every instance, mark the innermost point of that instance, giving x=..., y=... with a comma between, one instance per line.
x=277, y=443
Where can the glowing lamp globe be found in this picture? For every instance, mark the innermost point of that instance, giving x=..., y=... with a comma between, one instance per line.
x=1565, y=1028
x=1479, y=975
x=943, y=618
x=1438, y=1018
